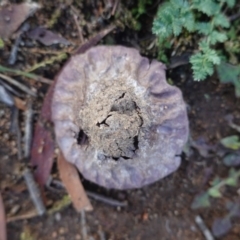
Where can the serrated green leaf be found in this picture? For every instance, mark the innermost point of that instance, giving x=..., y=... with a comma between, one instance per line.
x=221, y=20
x=201, y=200
x=214, y=192
x=177, y=27
x=203, y=27
x=201, y=66
x=216, y=36
x=213, y=57
x=189, y=21
x=230, y=3
x=228, y=73
x=231, y=142
x=209, y=7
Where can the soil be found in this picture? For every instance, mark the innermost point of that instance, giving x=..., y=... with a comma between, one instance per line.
x=159, y=211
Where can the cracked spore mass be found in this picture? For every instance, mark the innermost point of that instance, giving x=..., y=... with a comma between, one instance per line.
x=112, y=121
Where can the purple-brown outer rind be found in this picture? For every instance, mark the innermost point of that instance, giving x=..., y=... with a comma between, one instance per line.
x=158, y=155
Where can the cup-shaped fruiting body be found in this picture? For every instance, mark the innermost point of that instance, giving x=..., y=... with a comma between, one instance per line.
x=117, y=119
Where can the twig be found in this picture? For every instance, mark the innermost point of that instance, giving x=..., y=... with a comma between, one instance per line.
x=83, y=225
x=94, y=40
x=3, y=232
x=19, y=85
x=107, y=200
x=234, y=17
x=114, y=7
x=9, y=88
x=25, y=74
x=206, y=232
x=34, y=192
x=13, y=55
x=101, y=234
x=96, y=196
x=28, y=129
x=28, y=215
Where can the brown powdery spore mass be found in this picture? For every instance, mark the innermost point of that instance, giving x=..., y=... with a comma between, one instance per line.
x=117, y=119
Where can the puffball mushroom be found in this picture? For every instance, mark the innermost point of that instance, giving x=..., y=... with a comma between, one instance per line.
x=117, y=119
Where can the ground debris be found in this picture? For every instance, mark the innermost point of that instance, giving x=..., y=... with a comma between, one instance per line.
x=13, y=15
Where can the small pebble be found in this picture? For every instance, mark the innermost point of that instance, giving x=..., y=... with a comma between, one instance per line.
x=54, y=234
x=58, y=217
x=78, y=237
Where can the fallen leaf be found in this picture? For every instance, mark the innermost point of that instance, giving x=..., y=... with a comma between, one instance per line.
x=47, y=37
x=221, y=226
x=42, y=153
x=3, y=232
x=71, y=180
x=13, y=15
x=20, y=104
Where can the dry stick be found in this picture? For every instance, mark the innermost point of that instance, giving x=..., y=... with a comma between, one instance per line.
x=13, y=55
x=107, y=200
x=114, y=7
x=25, y=74
x=206, y=232
x=96, y=196
x=3, y=232
x=24, y=216
x=28, y=129
x=19, y=85
x=9, y=88
x=34, y=191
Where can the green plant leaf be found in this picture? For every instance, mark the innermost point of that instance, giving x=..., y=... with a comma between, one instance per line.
x=204, y=27
x=209, y=7
x=232, y=173
x=230, y=3
x=221, y=20
x=232, y=182
x=215, y=181
x=201, y=200
x=214, y=192
x=1, y=43
x=216, y=36
x=230, y=74
x=231, y=142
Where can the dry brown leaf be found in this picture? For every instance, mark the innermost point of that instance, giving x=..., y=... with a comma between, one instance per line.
x=20, y=104
x=3, y=233
x=13, y=15
x=71, y=180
